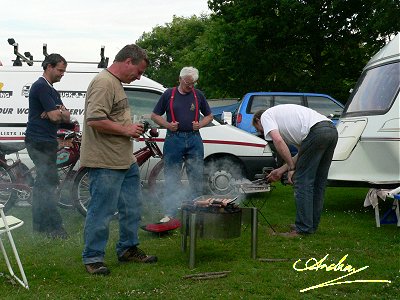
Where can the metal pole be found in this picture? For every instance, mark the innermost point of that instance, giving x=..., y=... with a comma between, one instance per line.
x=184, y=230
x=192, y=240
x=254, y=232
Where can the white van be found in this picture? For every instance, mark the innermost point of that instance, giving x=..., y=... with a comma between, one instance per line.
x=368, y=150
x=230, y=153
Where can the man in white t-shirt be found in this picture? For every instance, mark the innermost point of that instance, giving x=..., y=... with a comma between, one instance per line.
x=315, y=137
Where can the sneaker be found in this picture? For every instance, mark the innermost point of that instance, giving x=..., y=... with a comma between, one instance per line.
x=59, y=233
x=166, y=219
x=97, y=268
x=137, y=255
x=23, y=203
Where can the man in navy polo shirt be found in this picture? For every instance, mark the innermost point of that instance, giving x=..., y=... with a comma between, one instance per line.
x=183, y=142
x=46, y=111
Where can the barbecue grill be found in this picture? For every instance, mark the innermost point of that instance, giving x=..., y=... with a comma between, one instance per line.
x=215, y=217
x=245, y=186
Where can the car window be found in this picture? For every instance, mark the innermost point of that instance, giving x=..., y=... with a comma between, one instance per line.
x=258, y=102
x=288, y=100
x=375, y=91
x=142, y=102
x=324, y=106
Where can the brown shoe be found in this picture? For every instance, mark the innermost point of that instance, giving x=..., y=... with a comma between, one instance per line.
x=97, y=268
x=137, y=255
x=290, y=234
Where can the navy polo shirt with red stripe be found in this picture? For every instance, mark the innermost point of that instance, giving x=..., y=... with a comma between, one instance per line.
x=184, y=107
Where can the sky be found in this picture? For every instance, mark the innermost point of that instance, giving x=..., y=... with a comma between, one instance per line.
x=77, y=29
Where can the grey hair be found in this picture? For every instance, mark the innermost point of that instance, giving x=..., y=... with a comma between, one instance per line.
x=189, y=71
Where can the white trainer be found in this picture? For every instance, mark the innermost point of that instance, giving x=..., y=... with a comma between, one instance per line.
x=165, y=219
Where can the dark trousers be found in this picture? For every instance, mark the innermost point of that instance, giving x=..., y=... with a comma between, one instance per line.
x=45, y=214
x=312, y=167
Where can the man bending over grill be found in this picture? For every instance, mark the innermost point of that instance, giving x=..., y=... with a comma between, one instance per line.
x=315, y=136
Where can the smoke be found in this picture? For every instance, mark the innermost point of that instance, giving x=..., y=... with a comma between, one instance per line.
x=223, y=177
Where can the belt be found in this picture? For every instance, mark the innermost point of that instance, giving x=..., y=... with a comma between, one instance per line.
x=184, y=133
x=180, y=131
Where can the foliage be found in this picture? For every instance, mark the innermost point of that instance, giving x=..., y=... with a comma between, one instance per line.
x=313, y=46
x=170, y=47
x=54, y=268
x=274, y=45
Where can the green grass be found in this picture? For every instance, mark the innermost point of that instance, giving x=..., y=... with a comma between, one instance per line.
x=55, y=271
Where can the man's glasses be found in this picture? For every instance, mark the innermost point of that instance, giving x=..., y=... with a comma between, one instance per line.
x=190, y=84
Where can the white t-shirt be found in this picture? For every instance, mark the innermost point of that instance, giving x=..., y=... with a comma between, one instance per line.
x=292, y=121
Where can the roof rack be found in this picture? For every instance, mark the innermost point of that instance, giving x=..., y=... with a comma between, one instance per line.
x=28, y=58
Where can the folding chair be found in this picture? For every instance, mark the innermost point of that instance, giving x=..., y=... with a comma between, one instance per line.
x=8, y=223
x=395, y=194
x=392, y=215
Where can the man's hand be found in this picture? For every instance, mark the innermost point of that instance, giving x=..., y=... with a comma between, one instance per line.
x=196, y=126
x=44, y=115
x=173, y=126
x=58, y=115
x=135, y=130
x=290, y=176
x=275, y=175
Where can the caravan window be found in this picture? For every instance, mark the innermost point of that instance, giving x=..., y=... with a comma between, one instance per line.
x=375, y=91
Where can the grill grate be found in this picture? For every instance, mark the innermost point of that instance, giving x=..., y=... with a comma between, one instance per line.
x=250, y=187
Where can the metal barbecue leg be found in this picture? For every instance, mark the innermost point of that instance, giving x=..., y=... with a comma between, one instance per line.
x=262, y=215
x=192, y=240
x=184, y=230
x=254, y=232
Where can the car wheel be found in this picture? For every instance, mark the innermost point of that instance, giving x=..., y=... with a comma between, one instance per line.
x=219, y=174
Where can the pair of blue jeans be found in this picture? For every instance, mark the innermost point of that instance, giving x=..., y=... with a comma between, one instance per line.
x=310, y=178
x=180, y=147
x=111, y=191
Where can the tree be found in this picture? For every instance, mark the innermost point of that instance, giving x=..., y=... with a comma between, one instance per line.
x=303, y=45
x=170, y=47
x=274, y=45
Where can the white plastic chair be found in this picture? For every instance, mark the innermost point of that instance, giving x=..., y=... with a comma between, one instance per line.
x=8, y=223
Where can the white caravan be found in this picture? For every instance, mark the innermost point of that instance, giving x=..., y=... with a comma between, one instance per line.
x=368, y=150
x=230, y=153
